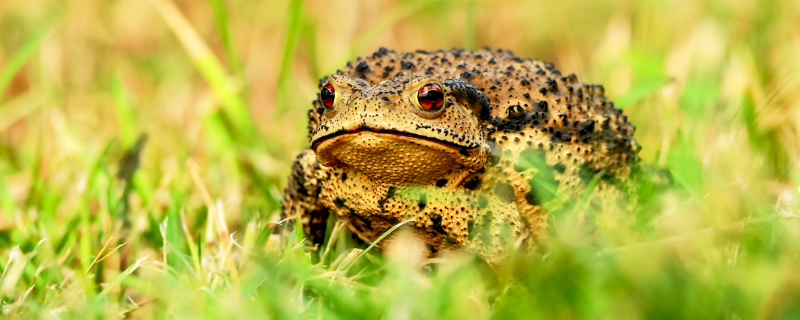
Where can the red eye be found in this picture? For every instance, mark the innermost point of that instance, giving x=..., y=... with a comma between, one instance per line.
x=327, y=95
x=431, y=97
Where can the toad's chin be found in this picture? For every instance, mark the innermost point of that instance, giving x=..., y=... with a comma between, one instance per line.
x=396, y=158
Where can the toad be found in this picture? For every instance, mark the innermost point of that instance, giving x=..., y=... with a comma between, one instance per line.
x=476, y=147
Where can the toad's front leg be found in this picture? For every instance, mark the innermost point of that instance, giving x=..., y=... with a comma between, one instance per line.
x=301, y=197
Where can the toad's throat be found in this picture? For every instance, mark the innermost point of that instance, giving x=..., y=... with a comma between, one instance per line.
x=364, y=128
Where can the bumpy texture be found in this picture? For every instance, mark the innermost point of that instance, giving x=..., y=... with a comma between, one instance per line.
x=514, y=139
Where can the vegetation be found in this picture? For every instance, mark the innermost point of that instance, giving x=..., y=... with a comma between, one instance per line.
x=221, y=89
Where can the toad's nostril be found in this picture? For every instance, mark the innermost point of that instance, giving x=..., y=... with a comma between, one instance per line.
x=385, y=98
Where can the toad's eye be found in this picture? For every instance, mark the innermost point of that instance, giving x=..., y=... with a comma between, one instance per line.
x=327, y=95
x=430, y=97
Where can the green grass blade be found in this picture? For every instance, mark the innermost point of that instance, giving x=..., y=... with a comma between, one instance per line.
x=124, y=109
x=374, y=243
x=6, y=201
x=221, y=20
x=291, y=36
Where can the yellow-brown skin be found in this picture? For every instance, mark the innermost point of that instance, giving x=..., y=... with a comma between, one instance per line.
x=476, y=174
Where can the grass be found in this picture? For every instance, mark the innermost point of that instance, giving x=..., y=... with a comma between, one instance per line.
x=92, y=227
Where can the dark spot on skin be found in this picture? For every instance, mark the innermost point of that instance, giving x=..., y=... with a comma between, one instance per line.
x=382, y=52
x=586, y=129
x=429, y=71
x=463, y=152
x=389, y=68
x=344, y=176
x=441, y=182
x=552, y=84
x=572, y=78
x=389, y=195
x=531, y=199
x=364, y=222
x=543, y=91
x=339, y=202
x=362, y=67
x=558, y=136
x=431, y=248
x=504, y=192
x=492, y=61
x=540, y=106
x=437, y=223
x=605, y=123
x=466, y=74
x=423, y=201
x=473, y=183
x=405, y=65
x=560, y=167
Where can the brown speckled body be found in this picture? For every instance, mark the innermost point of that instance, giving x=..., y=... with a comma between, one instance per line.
x=515, y=137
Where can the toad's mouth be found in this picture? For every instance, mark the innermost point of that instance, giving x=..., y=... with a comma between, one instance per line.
x=462, y=148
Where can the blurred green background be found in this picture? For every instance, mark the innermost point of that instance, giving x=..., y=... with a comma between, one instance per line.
x=221, y=89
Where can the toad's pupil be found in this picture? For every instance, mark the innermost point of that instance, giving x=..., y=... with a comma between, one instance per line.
x=430, y=97
x=327, y=95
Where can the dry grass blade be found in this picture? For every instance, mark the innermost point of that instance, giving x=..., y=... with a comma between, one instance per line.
x=350, y=257
x=194, y=172
x=334, y=233
x=97, y=258
x=139, y=263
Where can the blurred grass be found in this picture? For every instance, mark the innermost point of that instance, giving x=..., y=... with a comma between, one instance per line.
x=221, y=89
